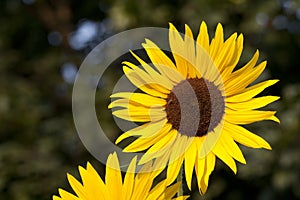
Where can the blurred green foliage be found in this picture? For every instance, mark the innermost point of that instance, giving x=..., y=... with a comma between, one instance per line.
x=41, y=48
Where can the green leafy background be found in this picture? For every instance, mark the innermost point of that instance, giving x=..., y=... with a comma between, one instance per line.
x=40, y=53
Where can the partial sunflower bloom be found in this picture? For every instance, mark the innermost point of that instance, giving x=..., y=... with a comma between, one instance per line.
x=193, y=109
x=134, y=187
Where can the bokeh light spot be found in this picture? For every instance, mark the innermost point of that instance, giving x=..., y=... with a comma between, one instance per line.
x=54, y=38
x=69, y=72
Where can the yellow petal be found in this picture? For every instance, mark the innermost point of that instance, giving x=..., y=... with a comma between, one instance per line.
x=140, y=78
x=224, y=58
x=221, y=152
x=145, y=130
x=164, y=68
x=249, y=116
x=67, y=195
x=203, y=38
x=200, y=168
x=177, y=48
x=153, y=73
x=176, y=158
x=129, y=180
x=140, y=98
x=181, y=198
x=203, y=59
x=160, y=162
x=144, y=178
x=172, y=190
x=231, y=63
x=252, y=103
x=210, y=141
x=246, y=69
x=217, y=42
x=181, y=147
x=201, y=172
x=143, y=143
x=113, y=177
x=144, y=82
x=205, y=66
x=189, y=162
x=97, y=181
x=77, y=187
x=164, y=141
x=231, y=147
x=189, y=50
x=58, y=198
x=173, y=169
x=149, y=90
x=250, y=92
x=140, y=114
x=245, y=137
x=158, y=191
x=210, y=165
x=157, y=56
x=126, y=103
x=92, y=183
x=203, y=187
x=237, y=84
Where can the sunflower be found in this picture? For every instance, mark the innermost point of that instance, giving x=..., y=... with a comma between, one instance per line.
x=192, y=106
x=134, y=186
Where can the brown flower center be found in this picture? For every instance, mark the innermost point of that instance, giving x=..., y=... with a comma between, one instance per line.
x=195, y=107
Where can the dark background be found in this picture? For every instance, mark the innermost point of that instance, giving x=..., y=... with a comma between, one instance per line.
x=43, y=43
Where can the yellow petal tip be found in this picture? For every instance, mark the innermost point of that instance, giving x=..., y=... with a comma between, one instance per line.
x=265, y=145
x=119, y=139
x=269, y=148
x=203, y=23
x=171, y=26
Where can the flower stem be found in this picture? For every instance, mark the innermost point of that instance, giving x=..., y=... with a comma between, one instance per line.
x=180, y=179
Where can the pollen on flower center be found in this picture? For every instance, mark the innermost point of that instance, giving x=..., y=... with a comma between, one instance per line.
x=195, y=107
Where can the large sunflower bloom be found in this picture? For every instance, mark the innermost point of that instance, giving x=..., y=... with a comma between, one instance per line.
x=193, y=109
x=134, y=187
